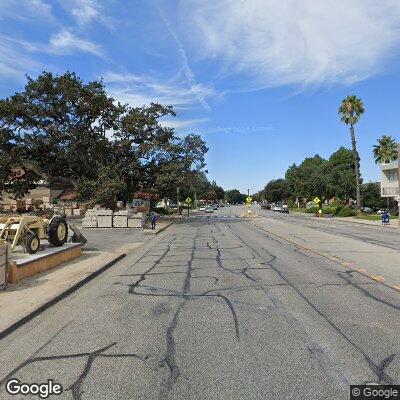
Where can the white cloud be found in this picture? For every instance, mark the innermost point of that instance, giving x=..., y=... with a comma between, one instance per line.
x=87, y=11
x=65, y=42
x=241, y=129
x=189, y=75
x=14, y=62
x=25, y=10
x=138, y=90
x=183, y=123
x=295, y=42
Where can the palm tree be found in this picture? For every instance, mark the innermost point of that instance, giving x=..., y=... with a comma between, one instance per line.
x=385, y=151
x=350, y=111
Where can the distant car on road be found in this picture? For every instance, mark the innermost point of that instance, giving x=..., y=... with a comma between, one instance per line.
x=285, y=209
x=202, y=208
x=209, y=209
x=277, y=208
x=215, y=206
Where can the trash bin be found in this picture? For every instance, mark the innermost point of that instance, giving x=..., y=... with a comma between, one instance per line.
x=3, y=266
x=385, y=219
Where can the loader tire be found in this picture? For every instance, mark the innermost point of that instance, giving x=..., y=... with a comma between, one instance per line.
x=31, y=243
x=58, y=232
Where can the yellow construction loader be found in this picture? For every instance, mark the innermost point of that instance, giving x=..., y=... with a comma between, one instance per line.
x=29, y=230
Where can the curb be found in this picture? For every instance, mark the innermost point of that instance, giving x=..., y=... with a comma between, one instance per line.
x=355, y=221
x=343, y=263
x=59, y=297
x=160, y=230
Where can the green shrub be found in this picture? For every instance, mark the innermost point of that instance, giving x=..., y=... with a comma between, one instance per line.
x=312, y=210
x=161, y=211
x=333, y=209
x=346, y=212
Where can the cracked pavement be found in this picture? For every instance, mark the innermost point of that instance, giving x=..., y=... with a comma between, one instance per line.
x=213, y=308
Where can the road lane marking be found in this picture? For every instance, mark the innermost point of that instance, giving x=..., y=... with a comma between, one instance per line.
x=361, y=271
x=377, y=278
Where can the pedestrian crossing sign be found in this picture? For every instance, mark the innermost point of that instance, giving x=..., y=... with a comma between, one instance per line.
x=316, y=200
x=249, y=199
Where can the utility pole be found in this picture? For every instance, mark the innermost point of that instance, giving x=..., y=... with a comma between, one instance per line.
x=177, y=200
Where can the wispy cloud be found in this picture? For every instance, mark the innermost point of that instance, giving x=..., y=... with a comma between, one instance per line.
x=25, y=10
x=296, y=42
x=183, y=123
x=86, y=12
x=66, y=42
x=240, y=129
x=138, y=90
x=190, y=78
x=14, y=61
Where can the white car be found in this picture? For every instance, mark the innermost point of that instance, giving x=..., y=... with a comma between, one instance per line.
x=209, y=209
x=202, y=208
x=277, y=208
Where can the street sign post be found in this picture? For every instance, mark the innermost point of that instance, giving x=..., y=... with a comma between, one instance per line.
x=248, y=203
x=188, y=202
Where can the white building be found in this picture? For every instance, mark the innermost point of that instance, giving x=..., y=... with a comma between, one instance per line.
x=389, y=179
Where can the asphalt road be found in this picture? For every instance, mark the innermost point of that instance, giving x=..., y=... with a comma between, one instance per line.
x=382, y=236
x=213, y=308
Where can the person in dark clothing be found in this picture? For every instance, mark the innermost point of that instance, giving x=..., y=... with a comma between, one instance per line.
x=153, y=221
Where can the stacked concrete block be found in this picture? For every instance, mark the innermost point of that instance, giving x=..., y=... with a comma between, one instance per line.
x=104, y=218
x=135, y=220
x=120, y=219
x=90, y=219
x=134, y=223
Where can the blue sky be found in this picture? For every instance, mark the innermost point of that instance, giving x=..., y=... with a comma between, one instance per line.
x=260, y=80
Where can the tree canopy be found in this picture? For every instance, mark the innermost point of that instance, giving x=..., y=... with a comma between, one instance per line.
x=63, y=130
x=316, y=176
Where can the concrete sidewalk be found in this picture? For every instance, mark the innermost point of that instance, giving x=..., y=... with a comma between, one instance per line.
x=25, y=299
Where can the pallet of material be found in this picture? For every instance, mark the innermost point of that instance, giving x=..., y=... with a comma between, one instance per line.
x=104, y=213
x=90, y=213
x=104, y=221
x=125, y=213
x=137, y=215
x=89, y=222
x=120, y=221
x=134, y=223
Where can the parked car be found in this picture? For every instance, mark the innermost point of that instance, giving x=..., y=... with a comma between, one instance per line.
x=277, y=208
x=202, y=208
x=209, y=209
x=285, y=209
x=215, y=206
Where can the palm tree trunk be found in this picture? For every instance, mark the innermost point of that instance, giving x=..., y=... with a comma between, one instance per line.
x=357, y=166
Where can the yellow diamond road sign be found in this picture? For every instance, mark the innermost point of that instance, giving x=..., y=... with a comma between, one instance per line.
x=188, y=200
x=249, y=199
x=316, y=200
x=320, y=211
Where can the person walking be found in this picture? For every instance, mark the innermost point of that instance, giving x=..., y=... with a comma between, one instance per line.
x=153, y=221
